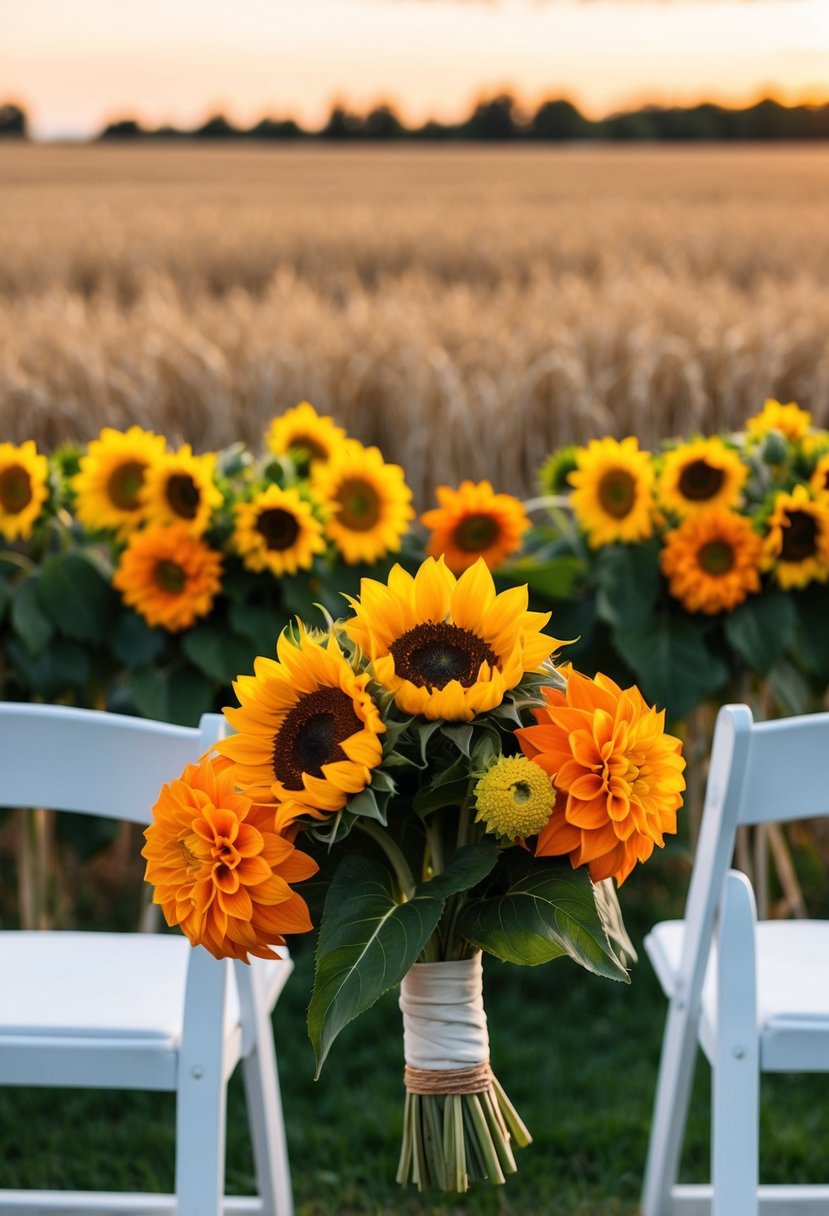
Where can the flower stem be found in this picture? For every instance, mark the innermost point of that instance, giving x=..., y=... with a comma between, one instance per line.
x=393, y=852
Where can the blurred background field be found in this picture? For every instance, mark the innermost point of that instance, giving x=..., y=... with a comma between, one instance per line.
x=467, y=308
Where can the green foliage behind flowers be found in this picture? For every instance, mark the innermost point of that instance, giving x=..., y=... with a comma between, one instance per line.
x=700, y=571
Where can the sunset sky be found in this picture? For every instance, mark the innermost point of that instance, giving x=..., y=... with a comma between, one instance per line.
x=76, y=65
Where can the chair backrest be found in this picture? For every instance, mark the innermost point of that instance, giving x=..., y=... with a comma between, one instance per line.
x=68, y=759
x=759, y=773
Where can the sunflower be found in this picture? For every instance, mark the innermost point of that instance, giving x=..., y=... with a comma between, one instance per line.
x=302, y=432
x=111, y=476
x=277, y=531
x=473, y=522
x=613, y=491
x=446, y=647
x=790, y=420
x=219, y=868
x=168, y=576
x=701, y=474
x=712, y=560
x=796, y=547
x=308, y=732
x=606, y=750
x=819, y=481
x=369, y=500
x=23, y=489
x=179, y=488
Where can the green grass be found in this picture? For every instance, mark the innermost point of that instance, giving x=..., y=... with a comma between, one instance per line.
x=577, y=1054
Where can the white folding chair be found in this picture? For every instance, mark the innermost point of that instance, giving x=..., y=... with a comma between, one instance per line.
x=754, y=994
x=135, y=1010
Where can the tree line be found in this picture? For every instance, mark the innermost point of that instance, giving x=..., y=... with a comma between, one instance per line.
x=498, y=118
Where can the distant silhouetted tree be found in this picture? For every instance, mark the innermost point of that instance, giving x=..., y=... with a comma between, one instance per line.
x=123, y=128
x=382, y=123
x=271, y=128
x=635, y=125
x=13, y=123
x=559, y=119
x=216, y=127
x=341, y=124
x=493, y=119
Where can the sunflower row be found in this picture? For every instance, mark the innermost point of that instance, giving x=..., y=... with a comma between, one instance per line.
x=316, y=497
x=727, y=509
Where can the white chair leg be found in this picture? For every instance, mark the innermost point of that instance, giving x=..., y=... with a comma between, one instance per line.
x=264, y=1101
x=670, y=1110
x=735, y=1097
x=202, y=1092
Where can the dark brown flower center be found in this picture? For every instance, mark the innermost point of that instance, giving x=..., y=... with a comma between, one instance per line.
x=124, y=484
x=617, y=493
x=183, y=495
x=476, y=533
x=311, y=733
x=716, y=557
x=170, y=576
x=799, y=537
x=359, y=505
x=700, y=481
x=15, y=489
x=279, y=528
x=308, y=448
x=429, y=656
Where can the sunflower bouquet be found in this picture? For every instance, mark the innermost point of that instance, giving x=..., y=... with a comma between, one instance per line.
x=462, y=796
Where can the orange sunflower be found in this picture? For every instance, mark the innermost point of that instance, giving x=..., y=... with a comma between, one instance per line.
x=219, y=868
x=446, y=647
x=712, y=561
x=169, y=576
x=619, y=774
x=612, y=494
x=473, y=522
x=796, y=548
x=24, y=488
x=308, y=732
x=699, y=475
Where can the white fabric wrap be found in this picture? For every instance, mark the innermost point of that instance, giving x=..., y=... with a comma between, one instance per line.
x=444, y=1023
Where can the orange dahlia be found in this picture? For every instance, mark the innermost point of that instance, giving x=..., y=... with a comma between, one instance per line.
x=219, y=869
x=619, y=775
x=473, y=521
x=169, y=576
x=712, y=561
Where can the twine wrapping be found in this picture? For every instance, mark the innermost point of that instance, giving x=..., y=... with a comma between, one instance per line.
x=445, y=1038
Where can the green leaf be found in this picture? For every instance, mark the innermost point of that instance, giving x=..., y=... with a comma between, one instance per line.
x=367, y=943
x=467, y=866
x=460, y=733
x=180, y=696
x=672, y=664
x=5, y=597
x=262, y=624
x=134, y=643
x=610, y=914
x=435, y=797
x=761, y=628
x=62, y=667
x=76, y=597
x=789, y=688
x=29, y=621
x=547, y=910
x=811, y=642
x=221, y=655
x=554, y=579
x=627, y=580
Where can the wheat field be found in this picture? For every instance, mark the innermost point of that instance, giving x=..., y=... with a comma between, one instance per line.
x=466, y=308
